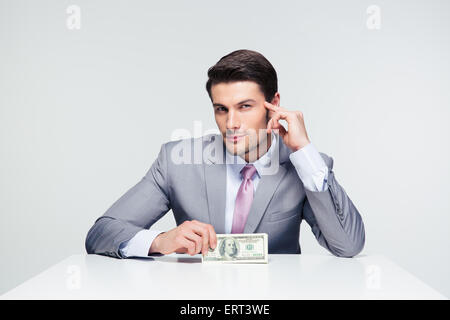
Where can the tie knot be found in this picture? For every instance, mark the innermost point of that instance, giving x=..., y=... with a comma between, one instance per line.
x=248, y=171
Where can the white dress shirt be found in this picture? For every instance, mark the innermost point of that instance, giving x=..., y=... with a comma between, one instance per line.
x=310, y=167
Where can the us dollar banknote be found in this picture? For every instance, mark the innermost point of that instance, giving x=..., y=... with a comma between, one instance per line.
x=239, y=248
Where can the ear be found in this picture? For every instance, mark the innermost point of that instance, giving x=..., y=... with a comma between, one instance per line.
x=276, y=99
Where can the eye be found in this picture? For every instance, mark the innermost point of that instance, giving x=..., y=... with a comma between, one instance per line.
x=221, y=109
x=246, y=105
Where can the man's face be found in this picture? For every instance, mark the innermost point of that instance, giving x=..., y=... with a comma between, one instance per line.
x=230, y=247
x=241, y=116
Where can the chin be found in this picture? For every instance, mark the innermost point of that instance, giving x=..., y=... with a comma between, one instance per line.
x=236, y=149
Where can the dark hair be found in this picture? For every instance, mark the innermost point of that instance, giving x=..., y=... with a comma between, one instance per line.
x=241, y=65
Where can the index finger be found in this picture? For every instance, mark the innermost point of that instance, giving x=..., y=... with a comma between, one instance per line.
x=273, y=107
x=270, y=106
x=212, y=233
x=201, y=230
x=212, y=237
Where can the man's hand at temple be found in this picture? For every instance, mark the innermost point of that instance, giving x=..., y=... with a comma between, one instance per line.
x=295, y=137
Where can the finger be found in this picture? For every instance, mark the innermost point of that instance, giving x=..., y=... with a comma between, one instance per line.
x=270, y=106
x=282, y=115
x=269, y=126
x=212, y=237
x=188, y=244
x=181, y=250
x=273, y=122
x=199, y=228
x=196, y=239
x=282, y=131
x=211, y=231
x=275, y=119
x=273, y=107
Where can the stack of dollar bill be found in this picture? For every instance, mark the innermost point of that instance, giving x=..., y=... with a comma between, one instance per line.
x=239, y=248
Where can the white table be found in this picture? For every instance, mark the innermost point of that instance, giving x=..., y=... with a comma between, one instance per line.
x=177, y=276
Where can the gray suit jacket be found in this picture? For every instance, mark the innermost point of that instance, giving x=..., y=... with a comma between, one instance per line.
x=197, y=190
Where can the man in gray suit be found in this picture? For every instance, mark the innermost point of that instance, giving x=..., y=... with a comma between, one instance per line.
x=255, y=177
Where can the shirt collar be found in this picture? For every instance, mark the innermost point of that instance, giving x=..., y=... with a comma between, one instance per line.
x=236, y=163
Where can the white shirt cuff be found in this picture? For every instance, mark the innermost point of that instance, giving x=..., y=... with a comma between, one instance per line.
x=139, y=245
x=310, y=167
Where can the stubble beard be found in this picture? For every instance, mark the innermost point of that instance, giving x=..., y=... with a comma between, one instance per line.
x=246, y=148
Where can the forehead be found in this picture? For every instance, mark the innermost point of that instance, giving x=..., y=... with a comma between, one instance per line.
x=231, y=93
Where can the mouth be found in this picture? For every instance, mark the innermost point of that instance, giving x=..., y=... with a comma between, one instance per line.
x=235, y=138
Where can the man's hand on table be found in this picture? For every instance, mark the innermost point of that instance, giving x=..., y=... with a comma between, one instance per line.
x=190, y=237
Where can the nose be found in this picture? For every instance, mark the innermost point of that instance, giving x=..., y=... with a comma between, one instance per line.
x=233, y=121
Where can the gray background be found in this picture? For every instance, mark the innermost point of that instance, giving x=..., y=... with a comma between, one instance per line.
x=83, y=113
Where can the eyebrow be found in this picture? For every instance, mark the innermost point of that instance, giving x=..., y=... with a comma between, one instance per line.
x=244, y=101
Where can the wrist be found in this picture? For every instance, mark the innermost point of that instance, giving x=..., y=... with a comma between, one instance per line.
x=155, y=246
x=301, y=145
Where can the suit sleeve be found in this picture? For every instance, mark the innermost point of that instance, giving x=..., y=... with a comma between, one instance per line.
x=332, y=216
x=138, y=209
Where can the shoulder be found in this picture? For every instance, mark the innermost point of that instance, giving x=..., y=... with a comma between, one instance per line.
x=191, y=149
x=203, y=141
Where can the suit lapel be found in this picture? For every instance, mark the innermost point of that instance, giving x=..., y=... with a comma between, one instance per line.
x=216, y=186
x=267, y=187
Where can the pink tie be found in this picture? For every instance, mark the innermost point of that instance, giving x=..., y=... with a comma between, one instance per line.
x=244, y=199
